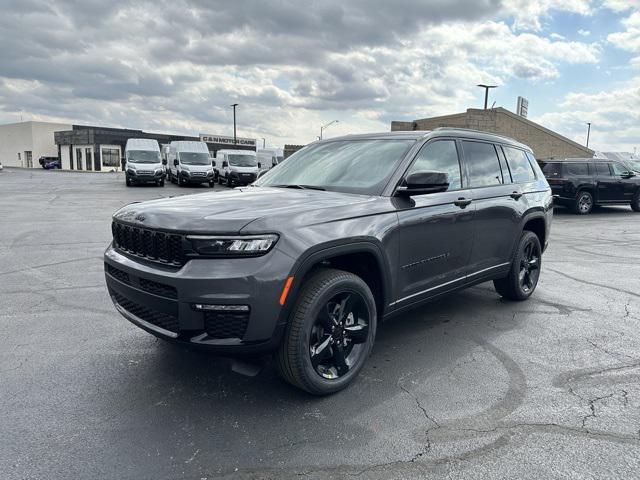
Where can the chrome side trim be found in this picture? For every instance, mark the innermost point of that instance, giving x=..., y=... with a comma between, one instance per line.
x=447, y=283
x=142, y=323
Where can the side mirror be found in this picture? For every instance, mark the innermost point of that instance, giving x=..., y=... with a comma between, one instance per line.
x=213, y=163
x=175, y=162
x=419, y=183
x=259, y=165
x=225, y=164
x=164, y=161
x=628, y=174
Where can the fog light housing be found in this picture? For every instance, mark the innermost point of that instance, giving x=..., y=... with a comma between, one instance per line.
x=220, y=308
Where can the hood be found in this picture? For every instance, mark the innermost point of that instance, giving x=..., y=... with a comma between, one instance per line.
x=230, y=211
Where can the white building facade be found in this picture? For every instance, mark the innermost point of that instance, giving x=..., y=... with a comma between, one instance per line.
x=22, y=144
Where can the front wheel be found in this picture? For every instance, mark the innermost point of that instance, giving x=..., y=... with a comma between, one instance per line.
x=127, y=181
x=161, y=183
x=211, y=183
x=330, y=333
x=522, y=279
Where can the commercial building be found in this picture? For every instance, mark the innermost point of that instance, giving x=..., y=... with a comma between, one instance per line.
x=22, y=144
x=545, y=143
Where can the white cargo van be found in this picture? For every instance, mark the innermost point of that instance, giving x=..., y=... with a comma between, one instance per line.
x=236, y=167
x=189, y=162
x=269, y=157
x=142, y=162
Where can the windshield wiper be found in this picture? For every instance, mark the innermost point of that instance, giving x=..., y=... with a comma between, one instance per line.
x=297, y=185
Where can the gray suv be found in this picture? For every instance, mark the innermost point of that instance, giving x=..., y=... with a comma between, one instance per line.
x=305, y=262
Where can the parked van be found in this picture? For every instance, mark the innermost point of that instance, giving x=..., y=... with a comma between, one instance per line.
x=189, y=162
x=236, y=167
x=142, y=162
x=269, y=157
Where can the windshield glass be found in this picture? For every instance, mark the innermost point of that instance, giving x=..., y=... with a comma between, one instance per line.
x=143, y=156
x=635, y=165
x=242, y=160
x=355, y=166
x=194, y=158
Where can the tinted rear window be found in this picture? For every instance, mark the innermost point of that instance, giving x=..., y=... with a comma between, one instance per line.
x=484, y=167
x=552, y=170
x=577, y=169
x=519, y=165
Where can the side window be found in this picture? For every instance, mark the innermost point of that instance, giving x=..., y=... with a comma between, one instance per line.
x=619, y=169
x=521, y=169
x=439, y=156
x=484, y=166
x=577, y=169
x=552, y=170
x=602, y=170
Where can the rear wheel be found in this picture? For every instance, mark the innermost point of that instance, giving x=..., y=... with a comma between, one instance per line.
x=330, y=333
x=583, y=203
x=635, y=202
x=522, y=279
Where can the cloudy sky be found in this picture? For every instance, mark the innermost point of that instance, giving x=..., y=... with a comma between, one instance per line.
x=175, y=66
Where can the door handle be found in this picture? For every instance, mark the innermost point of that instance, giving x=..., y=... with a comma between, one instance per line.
x=462, y=202
x=516, y=195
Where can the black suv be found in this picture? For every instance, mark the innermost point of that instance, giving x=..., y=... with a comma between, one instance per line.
x=583, y=183
x=347, y=232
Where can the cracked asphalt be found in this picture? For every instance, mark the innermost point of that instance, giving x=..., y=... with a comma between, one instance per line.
x=468, y=387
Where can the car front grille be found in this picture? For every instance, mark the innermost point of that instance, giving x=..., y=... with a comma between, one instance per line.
x=199, y=174
x=159, y=319
x=150, y=244
x=145, y=172
x=225, y=324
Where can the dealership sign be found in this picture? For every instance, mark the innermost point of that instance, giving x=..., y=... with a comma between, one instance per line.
x=223, y=140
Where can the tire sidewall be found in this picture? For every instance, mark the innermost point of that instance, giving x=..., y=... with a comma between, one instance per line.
x=527, y=237
x=577, y=206
x=353, y=285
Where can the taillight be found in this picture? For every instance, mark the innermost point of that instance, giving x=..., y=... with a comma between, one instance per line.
x=556, y=181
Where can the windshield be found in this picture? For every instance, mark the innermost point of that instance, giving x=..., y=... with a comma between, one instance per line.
x=242, y=160
x=634, y=165
x=143, y=156
x=355, y=166
x=194, y=158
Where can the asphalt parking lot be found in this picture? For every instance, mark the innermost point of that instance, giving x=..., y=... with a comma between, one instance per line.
x=468, y=387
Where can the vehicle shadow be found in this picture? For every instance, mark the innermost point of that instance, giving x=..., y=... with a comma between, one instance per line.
x=175, y=392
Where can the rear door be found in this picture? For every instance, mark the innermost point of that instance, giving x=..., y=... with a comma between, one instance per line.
x=605, y=183
x=498, y=205
x=436, y=229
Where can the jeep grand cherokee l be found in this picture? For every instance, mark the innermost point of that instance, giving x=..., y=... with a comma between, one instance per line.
x=344, y=234
x=583, y=183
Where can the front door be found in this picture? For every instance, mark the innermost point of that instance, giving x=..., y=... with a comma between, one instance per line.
x=625, y=186
x=605, y=183
x=436, y=229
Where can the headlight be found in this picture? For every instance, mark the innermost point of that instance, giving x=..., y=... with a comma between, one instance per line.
x=158, y=170
x=224, y=246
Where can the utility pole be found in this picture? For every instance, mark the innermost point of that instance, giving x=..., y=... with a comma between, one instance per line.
x=486, y=93
x=322, y=128
x=264, y=143
x=588, y=133
x=235, y=140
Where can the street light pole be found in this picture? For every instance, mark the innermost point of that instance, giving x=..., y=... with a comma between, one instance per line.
x=588, y=133
x=235, y=140
x=264, y=143
x=325, y=126
x=486, y=93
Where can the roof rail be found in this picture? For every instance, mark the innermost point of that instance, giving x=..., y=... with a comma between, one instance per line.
x=476, y=131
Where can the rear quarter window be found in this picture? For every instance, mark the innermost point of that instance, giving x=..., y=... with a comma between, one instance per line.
x=521, y=169
x=577, y=169
x=551, y=170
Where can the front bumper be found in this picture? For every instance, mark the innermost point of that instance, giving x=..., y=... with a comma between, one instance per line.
x=160, y=299
x=243, y=177
x=196, y=177
x=145, y=177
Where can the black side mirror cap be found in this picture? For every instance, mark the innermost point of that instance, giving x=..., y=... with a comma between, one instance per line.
x=420, y=183
x=213, y=163
x=225, y=163
x=175, y=162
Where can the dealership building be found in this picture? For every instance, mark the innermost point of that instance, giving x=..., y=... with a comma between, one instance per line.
x=89, y=148
x=545, y=143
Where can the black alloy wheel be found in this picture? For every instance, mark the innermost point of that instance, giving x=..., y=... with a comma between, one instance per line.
x=338, y=334
x=330, y=333
x=524, y=273
x=635, y=202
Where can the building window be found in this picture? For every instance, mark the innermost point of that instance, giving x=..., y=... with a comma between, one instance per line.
x=78, y=159
x=87, y=156
x=111, y=157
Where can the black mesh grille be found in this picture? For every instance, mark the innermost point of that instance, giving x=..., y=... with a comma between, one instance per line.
x=226, y=324
x=150, y=244
x=158, y=288
x=159, y=319
x=117, y=273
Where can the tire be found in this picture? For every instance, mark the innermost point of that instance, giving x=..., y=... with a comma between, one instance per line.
x=635, y=202
x=523, y=276
x=583, y=203
x=181, y=181
x=127, y=181
x=212, y=184
x=161, y=183
x=326, y=290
